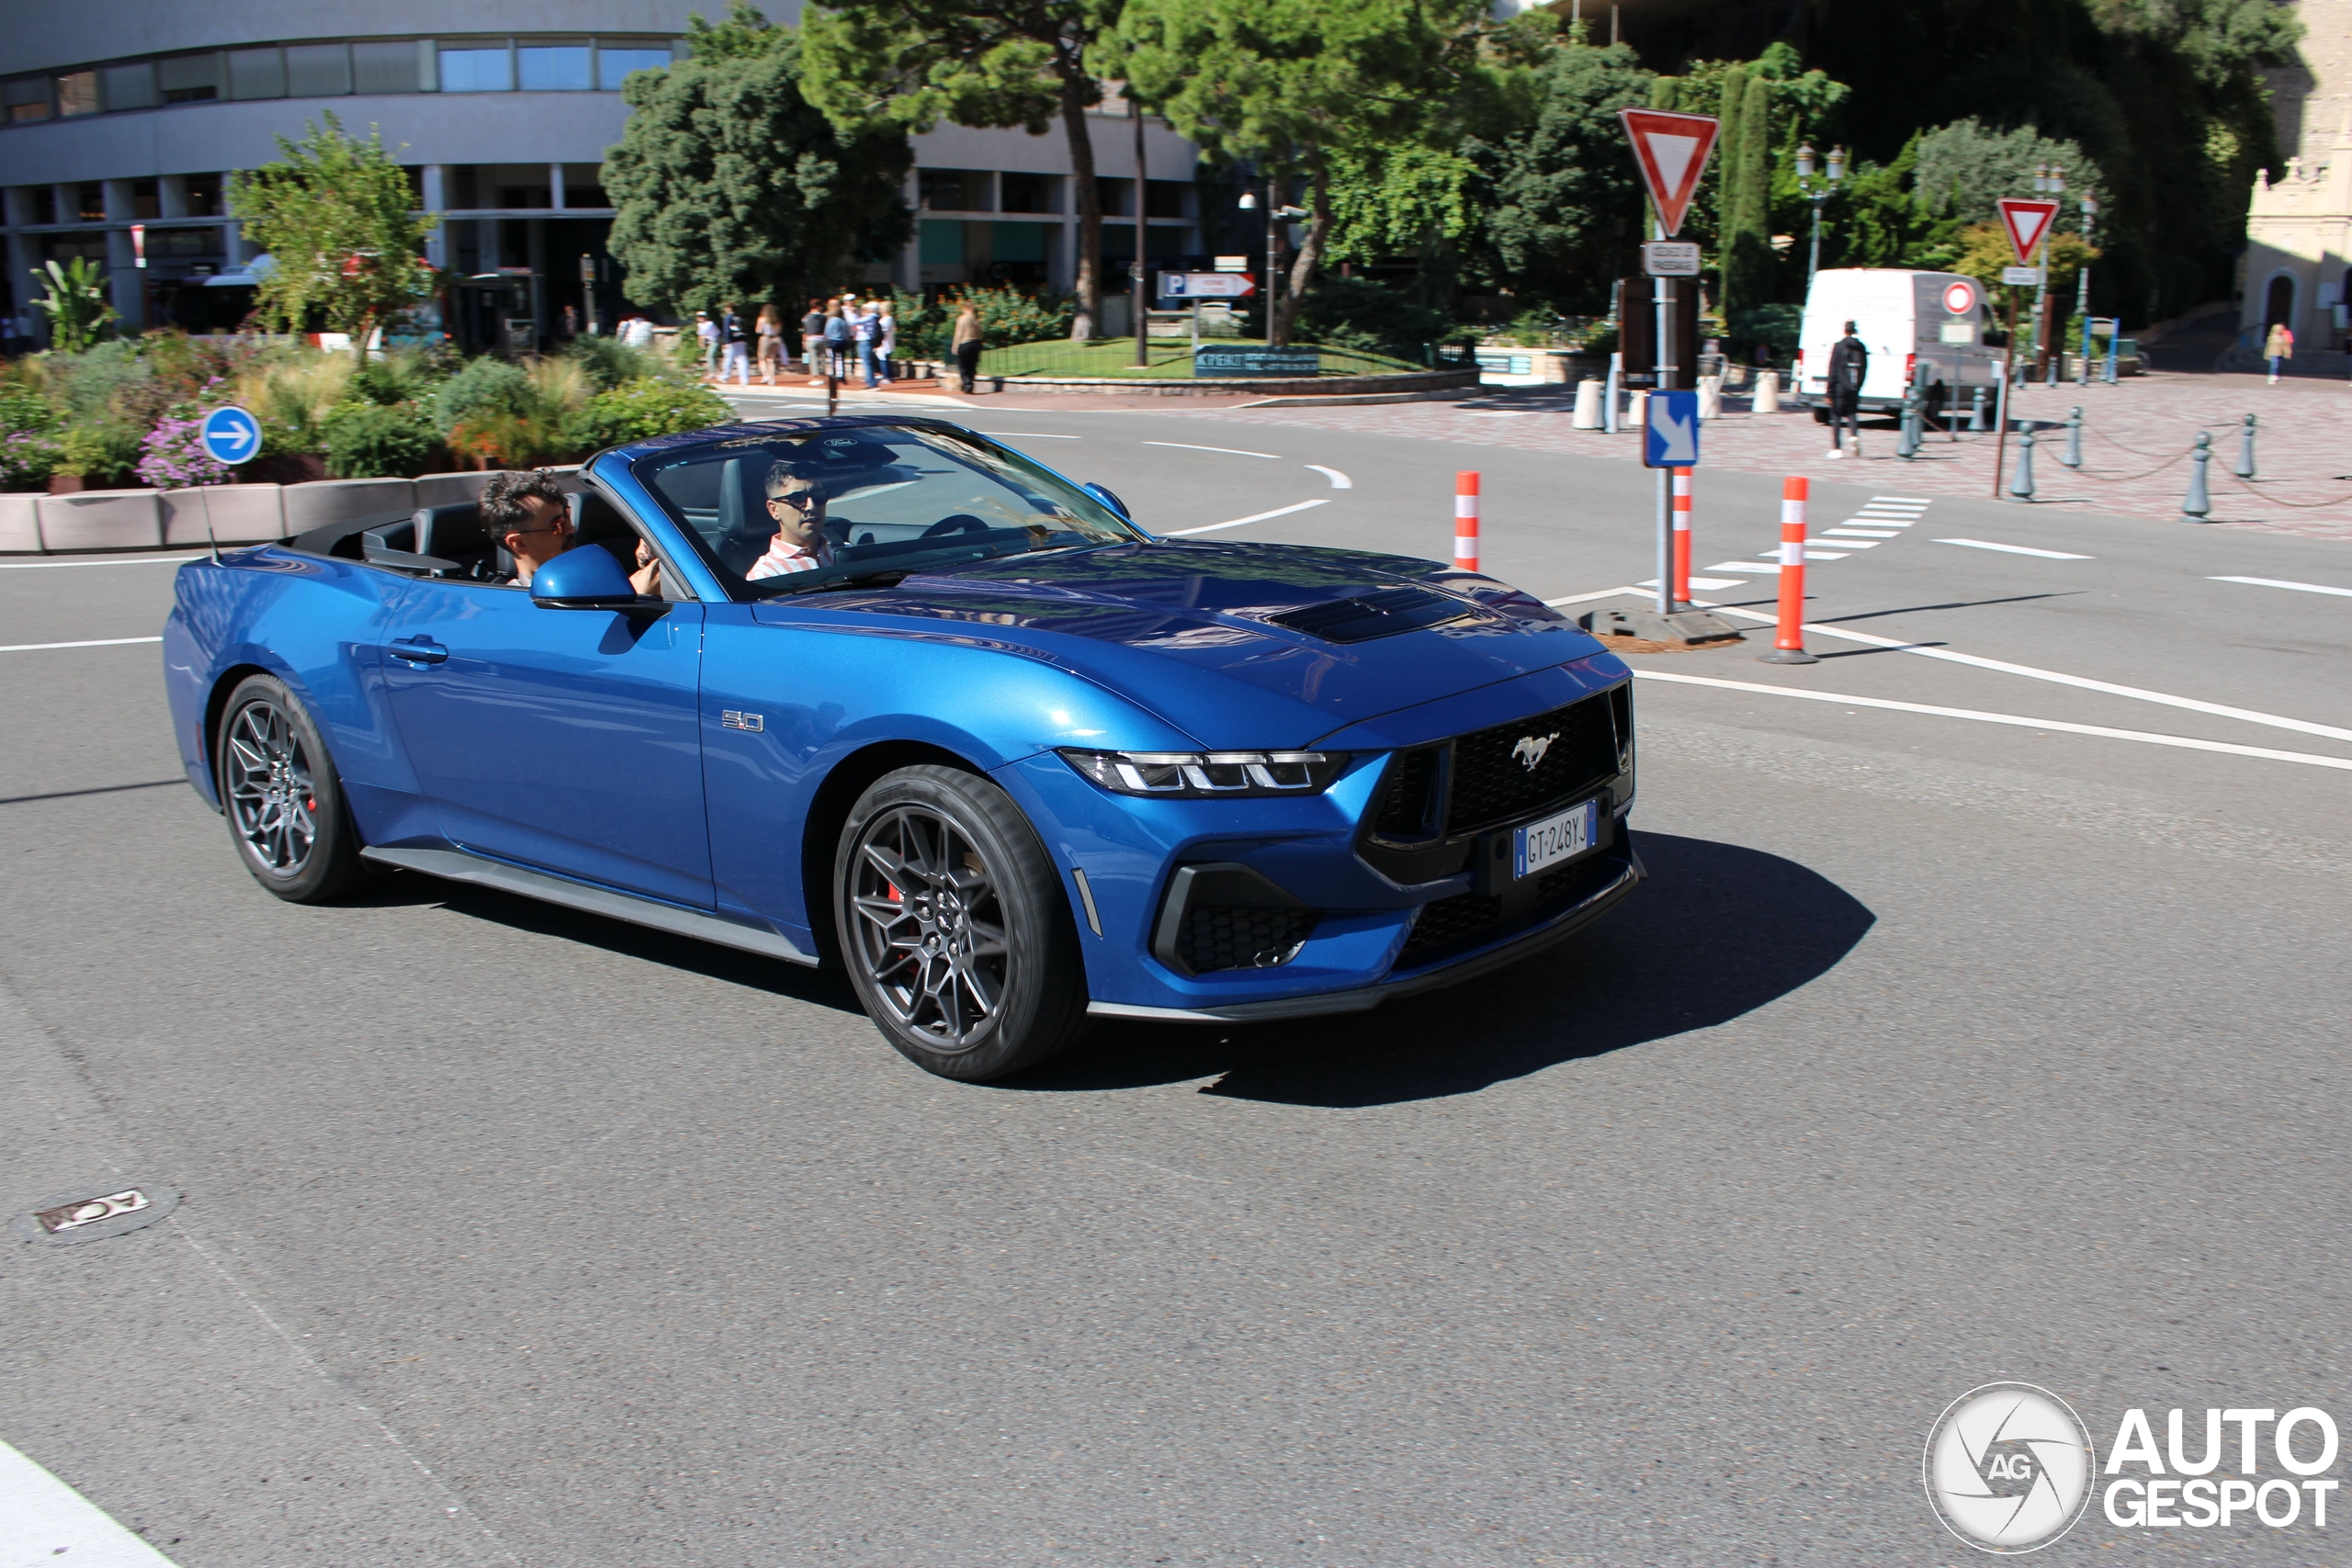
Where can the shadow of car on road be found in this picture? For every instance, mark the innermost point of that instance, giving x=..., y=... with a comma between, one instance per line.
x=1719, y=930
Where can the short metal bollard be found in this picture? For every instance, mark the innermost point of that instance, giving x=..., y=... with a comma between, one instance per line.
x=2021, y=478
x=1906, y=441
x=2198, y=505
x=2243, y=466
x=2073, y=457
x=1976, y=413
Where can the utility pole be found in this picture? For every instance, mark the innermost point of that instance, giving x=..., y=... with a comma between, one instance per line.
x=1142, y=251
x=2082, y=292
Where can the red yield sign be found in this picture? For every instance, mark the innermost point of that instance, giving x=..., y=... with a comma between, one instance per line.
x=1671, y=150
x=2028, y=219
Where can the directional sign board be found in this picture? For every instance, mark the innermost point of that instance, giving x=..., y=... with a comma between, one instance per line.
x=1670, y=437
x=1206, y=285
x=1671, y=150
x=2020, y=277
x=1669, y=258
x=2028, y=219
x=231, y=435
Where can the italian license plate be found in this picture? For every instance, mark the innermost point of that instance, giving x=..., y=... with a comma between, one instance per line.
x=1554, y=839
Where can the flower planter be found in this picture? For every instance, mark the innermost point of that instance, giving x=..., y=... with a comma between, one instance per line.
x=101, y=520
x=64, y=484
x=322, y=501
x=242, y=515
x=20, y=523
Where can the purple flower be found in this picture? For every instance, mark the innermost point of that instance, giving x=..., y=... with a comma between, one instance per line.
x=173, y=457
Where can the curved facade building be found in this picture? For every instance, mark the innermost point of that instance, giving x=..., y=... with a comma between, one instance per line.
x=119, y=121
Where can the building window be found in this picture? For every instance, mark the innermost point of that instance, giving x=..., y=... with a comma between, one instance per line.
x=1117, y=197
x=405, y=67
x=77, y=92
x=44, y=204
x=942, y=242
x=90, y=202
x=131, y=86
x=474, y=70
x=1165, y=199
x=189, y=78
x=28, y=100
x=67, y=247
x=556, y=68
x=526, y=196
x=619, y=57
x=146, y=198
x=585, y=195
x=203, y=195
x=256, y=73
x=1030, y=193
x=204, y=241
x=958, y=190
x=317, y=70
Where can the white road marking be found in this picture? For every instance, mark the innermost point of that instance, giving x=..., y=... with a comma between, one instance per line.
x=2282, y=582
x=1905, y=500
x=1229, y=451
x=99, y=642
x=1848, y=542
x=1339, y=480
x=1860, y=533
x=1703, y=584
x=1028, y=435
x=2009, y=718
x=1745, y=566
x=1810, y=554
x=44, y=1520
x=137, y=560
x=2015, y=549
x=1256, y=517
x=1604, y=593
x=2141, y=694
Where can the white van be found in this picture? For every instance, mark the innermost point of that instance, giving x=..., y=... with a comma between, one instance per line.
x=1928, y=324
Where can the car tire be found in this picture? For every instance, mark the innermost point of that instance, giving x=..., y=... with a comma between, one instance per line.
x=282, y=796
x=955, y=928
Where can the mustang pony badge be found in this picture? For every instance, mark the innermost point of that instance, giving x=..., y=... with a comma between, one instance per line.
x=1531, y=749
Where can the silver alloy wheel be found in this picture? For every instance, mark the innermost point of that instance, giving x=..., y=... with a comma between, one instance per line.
x=266, y=778
x=931, y=929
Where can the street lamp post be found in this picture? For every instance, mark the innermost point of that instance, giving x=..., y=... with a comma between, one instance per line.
x=1277, y=214
x=2048, y=179
x=2083, y=289
x=1834, y=171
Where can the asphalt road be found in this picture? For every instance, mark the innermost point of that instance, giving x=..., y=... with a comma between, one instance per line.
x=1939, y=1049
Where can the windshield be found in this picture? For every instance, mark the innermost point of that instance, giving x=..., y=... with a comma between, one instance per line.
x=792, y=511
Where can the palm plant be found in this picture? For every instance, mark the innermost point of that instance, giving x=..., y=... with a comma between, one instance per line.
x=75, y=303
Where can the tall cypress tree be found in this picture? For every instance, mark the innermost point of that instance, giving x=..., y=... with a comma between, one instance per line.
x=1748, y=225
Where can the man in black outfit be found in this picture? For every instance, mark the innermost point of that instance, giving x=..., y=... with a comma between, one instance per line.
x=1850, y=363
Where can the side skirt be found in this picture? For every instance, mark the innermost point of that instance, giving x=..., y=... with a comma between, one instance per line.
x=457, y=866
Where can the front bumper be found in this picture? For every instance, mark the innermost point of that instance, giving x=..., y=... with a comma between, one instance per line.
x=1509, y=950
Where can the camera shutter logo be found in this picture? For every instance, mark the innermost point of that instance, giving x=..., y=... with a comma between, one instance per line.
x=2010, y=1467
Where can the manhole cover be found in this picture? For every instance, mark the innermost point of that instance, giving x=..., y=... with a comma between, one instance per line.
x=94, y=1214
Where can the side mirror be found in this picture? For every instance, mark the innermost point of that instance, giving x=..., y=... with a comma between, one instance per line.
x=587, y=577
x=1107, y=499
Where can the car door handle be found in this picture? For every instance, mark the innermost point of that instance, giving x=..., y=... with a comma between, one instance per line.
x=416, y=649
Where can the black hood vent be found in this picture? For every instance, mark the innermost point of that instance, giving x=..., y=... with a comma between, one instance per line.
x=1385, y=612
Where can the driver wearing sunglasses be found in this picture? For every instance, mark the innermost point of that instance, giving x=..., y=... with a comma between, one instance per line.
x=799, y=511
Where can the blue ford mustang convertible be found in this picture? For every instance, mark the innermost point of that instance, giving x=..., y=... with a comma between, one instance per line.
x=985, y=743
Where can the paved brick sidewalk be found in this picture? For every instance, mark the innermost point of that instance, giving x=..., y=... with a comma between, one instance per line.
x=2135, y=443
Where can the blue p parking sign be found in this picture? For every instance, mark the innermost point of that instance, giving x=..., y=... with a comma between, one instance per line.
x=1671, y=435
x=231, y=435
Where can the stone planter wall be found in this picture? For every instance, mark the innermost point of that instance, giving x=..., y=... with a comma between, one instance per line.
x=101, y=520
x=19, y=524
x=239, y=515
x=1244, y=386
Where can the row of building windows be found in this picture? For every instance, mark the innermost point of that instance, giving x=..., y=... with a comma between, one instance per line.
x=336, y=70
x=990, y=190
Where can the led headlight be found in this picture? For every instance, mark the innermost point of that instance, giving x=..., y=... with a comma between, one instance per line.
x=1204, y=774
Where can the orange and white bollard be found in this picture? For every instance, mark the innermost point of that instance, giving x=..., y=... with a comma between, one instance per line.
x=1788, y=644
x=1465, y=520
x=1682, y=538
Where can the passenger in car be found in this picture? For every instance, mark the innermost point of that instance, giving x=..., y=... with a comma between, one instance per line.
x=526, y=513
x=799, y=511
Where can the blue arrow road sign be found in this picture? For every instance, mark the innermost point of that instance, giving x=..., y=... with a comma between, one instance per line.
x=231, y=435
x=1670, y=439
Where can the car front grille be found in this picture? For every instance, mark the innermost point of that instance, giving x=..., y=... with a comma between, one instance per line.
x=1469, y=919
x=1238, y=936
x=1516, y=768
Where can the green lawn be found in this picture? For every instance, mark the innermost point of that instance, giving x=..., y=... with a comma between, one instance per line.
x=1170, y=358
